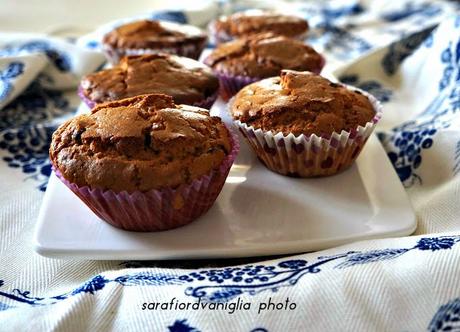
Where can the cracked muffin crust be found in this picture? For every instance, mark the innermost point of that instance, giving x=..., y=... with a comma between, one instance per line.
x=263, y=55
x=186, y=80
x=256, y=21
x=301, y=103
x=150, y=36
x=138, y=144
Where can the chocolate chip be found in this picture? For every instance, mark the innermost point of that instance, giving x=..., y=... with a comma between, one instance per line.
x=298, y=148
x=76, y=136
x=334, y=85
x=147, y=140
x=327, y=163
x=309, y=163
x=293, y=174
x=356, y=151
x=269, y=150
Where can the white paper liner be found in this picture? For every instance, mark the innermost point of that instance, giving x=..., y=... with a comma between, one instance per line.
x=310, y=156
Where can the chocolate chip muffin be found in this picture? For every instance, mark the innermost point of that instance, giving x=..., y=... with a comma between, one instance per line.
x=250, y=59
x=242, y=24
x=141, y=163
x=148, y=36
x=303, y=124
x=186, y=80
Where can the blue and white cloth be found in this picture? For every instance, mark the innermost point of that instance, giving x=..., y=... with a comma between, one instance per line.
x=406, y=53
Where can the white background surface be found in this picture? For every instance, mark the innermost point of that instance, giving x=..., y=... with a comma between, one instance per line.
x=62, y=17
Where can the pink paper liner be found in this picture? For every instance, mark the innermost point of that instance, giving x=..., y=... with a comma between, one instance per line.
x=205, y=103
x=231, y=84
x=189, y=50
x=157, y=210
x=310, y=156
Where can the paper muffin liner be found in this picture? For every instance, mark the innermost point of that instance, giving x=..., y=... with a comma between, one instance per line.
x=208, y=102
x=231, y=84
x=189, y=50
x=91, y=104
x=157, y=210
x=310, y=156
x=205, y=103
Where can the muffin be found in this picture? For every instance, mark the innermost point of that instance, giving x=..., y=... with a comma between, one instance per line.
x=144, y=163
x=242, y=24
x=243, y=61
x=186, y=80
x=147, y=36
x=301, y=124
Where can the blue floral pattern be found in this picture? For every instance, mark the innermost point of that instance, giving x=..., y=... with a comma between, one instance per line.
x=26, y=127
x=375, y=88
x=177, y=16
x=13, y=70
x=326, y=32
x=435, y=243
x=339, y=41
x=450, y=58
x=181, y=326
x=27, y=150
x=59, y=58
x=423, y=10
x=447, y=318
x=406, y=142
x=405, y=149
x=400, y=50
x=225, y=284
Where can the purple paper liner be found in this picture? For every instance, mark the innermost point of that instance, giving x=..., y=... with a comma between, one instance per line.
x=230, y=84
x=91, y=104
x=205, y=103
x=188, y=50
x=310, y=156
x=208, y=102
x=157, y=210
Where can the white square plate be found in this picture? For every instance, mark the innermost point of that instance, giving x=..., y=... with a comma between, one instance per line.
x=257, y=213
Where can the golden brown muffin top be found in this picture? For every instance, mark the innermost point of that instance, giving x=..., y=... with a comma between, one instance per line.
x=255, y=21
x=301, y=103
x=263, y=55
x=152, y=34
x=186, y=80
x=138, y=144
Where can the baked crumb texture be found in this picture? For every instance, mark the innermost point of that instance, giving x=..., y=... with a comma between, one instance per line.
x=250, y=22
x=301, y=103
x=186, y=80
x=264, y=55
x=138, y=144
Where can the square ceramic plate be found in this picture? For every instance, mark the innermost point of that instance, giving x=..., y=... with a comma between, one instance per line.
x=257, y=213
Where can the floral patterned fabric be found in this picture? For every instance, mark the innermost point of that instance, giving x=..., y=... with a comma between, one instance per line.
x=406, y=53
